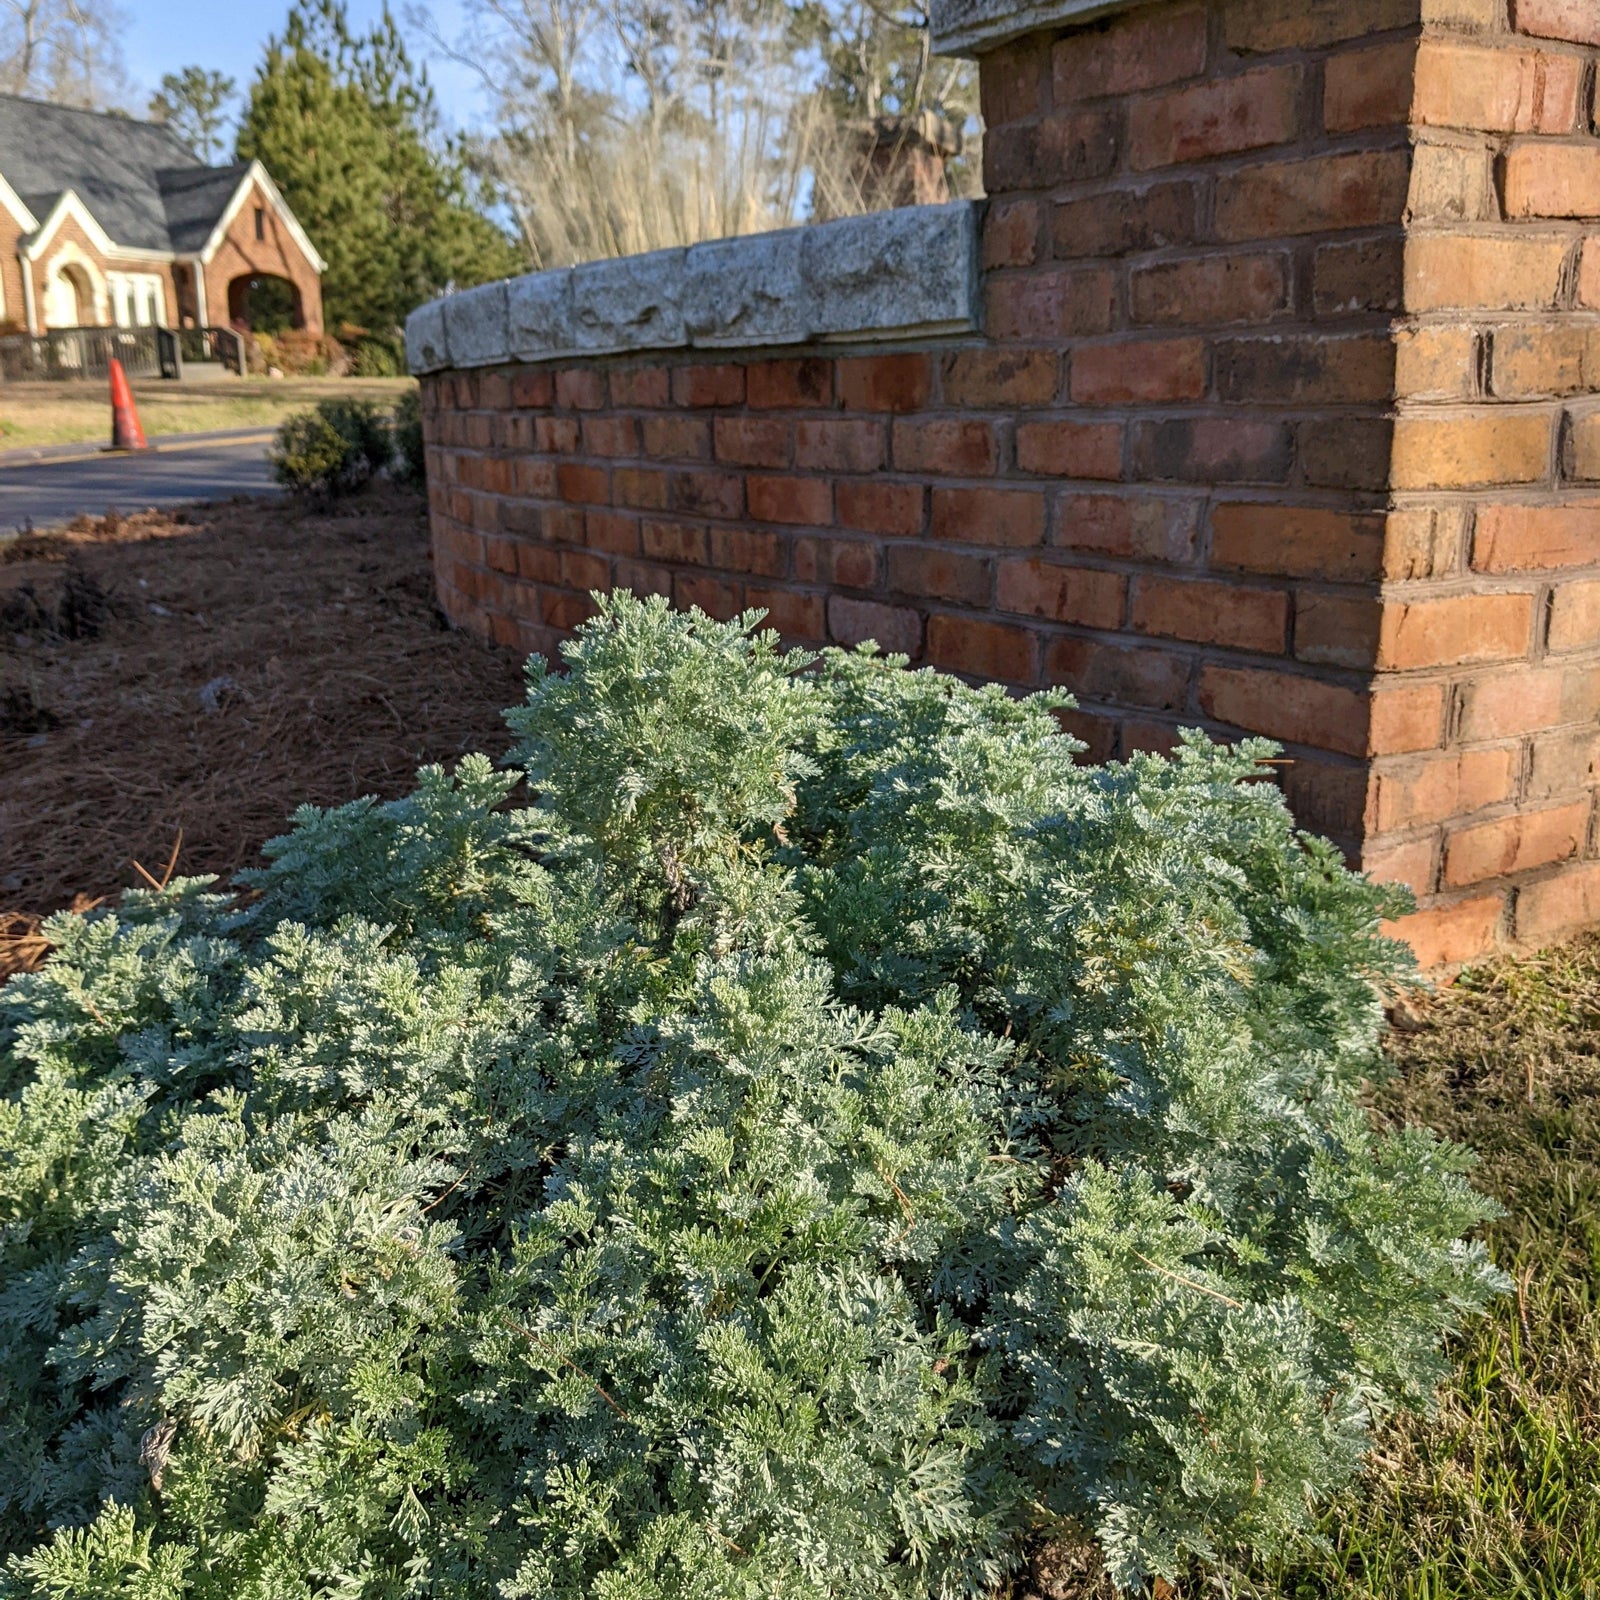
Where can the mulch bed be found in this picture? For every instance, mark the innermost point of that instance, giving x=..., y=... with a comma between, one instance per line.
x=197, y=674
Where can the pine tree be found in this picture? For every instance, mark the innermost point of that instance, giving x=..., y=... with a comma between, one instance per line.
x=347, y=127
x=826, y=1138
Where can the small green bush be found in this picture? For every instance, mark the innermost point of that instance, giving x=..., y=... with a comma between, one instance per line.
x=379, y=356
x=825, y=1141
x=411, y=464
x=333, y=449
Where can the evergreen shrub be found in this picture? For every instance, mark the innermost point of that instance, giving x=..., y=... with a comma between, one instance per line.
x=824, y=1141
x=334, y=448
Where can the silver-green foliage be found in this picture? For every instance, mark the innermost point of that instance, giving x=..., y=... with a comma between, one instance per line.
x=825, y=1139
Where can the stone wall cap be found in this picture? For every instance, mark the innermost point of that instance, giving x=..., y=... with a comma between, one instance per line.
x=886, y=276
x=975, y=27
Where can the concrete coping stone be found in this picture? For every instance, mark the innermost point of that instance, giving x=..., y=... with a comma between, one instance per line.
x=886, y=276
x=975, y=27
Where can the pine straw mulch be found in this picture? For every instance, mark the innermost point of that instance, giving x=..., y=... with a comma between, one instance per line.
x=173, y=684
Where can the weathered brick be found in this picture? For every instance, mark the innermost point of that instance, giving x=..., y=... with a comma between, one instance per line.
x=1368, y=88
x=1204, y=612
x=1051, y=304
x=1291, y=707
x=1220, y=117
x=1423, y=542
x=940, y=574
x=1436, y=362
x=1071, y=449
x=1316, y=194
x=850, y=563
x=752, y=441
x=1533, y=360
x=1452, y=182
x=1512, y=538
x=1138, y=371
x=1269, y=25
x=533, y=388
x=1013, y=80
x=719, y=385
x=1298, y=541
x=897, y=630
x=583, y=569
x=1520, y=272
x=895, y=509
x=715, y=596
x=1013, y=517
x=790, y=499
x=1345, y=452
x=1336, y=630
x=1516, y=843
x=616, y=532
x=1139, y=52
x=580, y=389
x=1445, y=632
x=1055, y=150
x=642, y=579
x=642, y=387
x=712, y=494
x=1589, y=275
x=1582, y=446
x=610, y=436
x=1574, y=20
x=556, y=435
x=1463, y=85
x=1211, y=290
x=794, y=614
x=1558, y=905
x=1575, y=617
x=1507, y=703
x=674, y=541
x=1305, y=368
x=643, y=488
x=1125, y=222
x=1213, y=450
x=886, y=383
x=1011, y=232
x=1562, y=763
x=1466, y=451
x=1147, y=527
x=982, y=649
x=988, y=377
x=566, y=611
x=1359, y=275
x=1087, y=596
x=1544, y=178
x=1413, y=862
x=1436, y=788
x=1448, y=935
x=677, y=438
x=748, y=550
x=950, y=446
x=790, y=384
x=1094, y=670
x=1405, y=718
x=842, y=444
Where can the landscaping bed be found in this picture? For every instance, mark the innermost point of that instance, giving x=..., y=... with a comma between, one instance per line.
x=209, y=671
x=206, y=671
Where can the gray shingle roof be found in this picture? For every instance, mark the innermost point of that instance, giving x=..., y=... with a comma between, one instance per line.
x=141, y=183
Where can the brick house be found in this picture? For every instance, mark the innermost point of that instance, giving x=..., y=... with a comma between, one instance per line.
x=105, y=221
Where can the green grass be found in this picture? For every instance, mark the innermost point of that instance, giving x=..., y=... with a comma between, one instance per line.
x=1497, y=1496
x=77, y=412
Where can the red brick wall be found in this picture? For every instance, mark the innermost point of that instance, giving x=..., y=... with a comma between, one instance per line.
x=1272, y=428
x=241, y=254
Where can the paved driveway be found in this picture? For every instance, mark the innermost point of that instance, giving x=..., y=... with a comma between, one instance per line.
x=46, y=487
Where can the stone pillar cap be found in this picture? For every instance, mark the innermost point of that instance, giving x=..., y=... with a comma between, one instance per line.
x=974, y=27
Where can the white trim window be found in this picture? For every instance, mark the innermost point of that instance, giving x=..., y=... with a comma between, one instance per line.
x=137, y=300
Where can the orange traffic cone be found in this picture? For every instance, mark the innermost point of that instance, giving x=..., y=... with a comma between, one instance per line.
x=126, y=434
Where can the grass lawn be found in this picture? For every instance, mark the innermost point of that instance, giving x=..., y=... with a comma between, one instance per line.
x=1498, y=1496
x=74, y=412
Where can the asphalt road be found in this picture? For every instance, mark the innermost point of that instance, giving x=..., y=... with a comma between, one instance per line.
x=46, y=487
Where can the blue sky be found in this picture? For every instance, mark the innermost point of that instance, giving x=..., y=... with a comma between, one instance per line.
x=228, y=35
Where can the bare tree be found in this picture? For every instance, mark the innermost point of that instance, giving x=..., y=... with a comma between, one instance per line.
x=68, y=51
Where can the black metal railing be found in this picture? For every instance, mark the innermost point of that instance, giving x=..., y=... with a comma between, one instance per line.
x=88, y=352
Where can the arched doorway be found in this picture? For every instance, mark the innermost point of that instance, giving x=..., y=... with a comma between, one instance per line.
x=264, y=303
x=69, y=298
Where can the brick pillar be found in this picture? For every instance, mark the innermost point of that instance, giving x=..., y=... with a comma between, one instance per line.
x=1323, y=264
